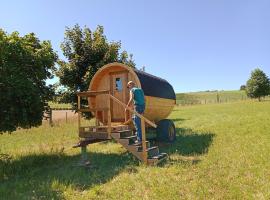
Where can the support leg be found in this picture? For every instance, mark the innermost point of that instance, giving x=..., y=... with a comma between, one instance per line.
x=84, y=157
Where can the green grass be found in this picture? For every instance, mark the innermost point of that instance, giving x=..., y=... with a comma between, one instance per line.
x=222, y=152
x=59, y=105
x=210, y=97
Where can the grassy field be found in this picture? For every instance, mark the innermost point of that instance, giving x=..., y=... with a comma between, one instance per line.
x=210, y=97
x=222, y=152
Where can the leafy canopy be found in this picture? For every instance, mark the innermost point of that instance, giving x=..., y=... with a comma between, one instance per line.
x=25, y=64
x=258, y=84
x=85, y=53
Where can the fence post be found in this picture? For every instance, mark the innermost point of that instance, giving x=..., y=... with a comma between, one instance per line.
x=50, y=113
x=79, y=113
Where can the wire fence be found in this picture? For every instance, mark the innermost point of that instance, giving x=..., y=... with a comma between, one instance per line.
x=202, y=98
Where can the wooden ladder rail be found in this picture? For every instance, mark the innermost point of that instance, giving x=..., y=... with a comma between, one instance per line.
x=143, y=120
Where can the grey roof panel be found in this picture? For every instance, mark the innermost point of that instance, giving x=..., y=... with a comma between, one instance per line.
x=155, y=86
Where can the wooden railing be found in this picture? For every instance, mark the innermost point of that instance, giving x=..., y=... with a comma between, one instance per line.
x=95, y=110
x=133, y=111
x=143, y=120
x=111, y=97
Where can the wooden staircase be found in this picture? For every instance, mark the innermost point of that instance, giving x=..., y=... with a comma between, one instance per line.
x=127, y=139
x=121, y=133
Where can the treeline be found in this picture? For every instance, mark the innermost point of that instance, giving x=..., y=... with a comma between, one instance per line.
x=256, y=87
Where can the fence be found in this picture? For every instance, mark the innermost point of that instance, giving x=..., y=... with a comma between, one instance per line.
x=211, y=98
x=63, y=114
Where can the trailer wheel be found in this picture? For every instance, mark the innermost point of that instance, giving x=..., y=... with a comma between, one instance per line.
x=166, y=131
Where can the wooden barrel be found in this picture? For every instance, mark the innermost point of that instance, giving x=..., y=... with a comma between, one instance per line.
x=159, y=94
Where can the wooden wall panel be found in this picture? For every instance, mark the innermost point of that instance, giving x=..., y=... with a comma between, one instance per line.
x=157, y=109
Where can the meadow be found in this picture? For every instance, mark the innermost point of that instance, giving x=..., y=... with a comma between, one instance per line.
x=222, y=152
x=207, y=97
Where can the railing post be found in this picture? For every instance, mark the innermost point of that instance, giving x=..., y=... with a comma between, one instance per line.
x=96, y=116
x=109, y=115
x=144, y=141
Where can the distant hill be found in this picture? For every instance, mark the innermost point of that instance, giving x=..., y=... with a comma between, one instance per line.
x=207, y=97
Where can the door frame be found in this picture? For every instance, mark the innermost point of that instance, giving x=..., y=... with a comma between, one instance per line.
x=125, y=90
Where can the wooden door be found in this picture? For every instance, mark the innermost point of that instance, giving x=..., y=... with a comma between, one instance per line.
x=118, y=87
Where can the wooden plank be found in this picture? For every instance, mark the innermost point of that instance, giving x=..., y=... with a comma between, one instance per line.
x=92, y=93
x=96, y=135
x=158, y=108
x=96, y=114
x=144, y=152
x=103, y=116
x=109, y=116
x=119, y=72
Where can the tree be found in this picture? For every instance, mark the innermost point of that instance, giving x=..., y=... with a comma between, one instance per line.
x=86, y=52
x=258, y=84
x=25, y=64
x=243, y=87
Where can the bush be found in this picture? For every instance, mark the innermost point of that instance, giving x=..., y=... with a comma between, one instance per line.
x=258, y=84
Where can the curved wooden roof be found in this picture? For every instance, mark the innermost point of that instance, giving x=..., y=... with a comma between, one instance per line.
x=151, y=85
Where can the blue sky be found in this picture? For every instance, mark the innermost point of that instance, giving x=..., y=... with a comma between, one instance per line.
x=195, y=44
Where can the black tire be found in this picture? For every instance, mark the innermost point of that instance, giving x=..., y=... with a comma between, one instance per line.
x=166, y=131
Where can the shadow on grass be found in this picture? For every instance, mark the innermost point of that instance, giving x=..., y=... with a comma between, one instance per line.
x=46, y=176
x=188, y=144
x=178, y=119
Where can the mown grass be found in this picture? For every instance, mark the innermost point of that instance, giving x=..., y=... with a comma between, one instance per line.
x=222, y=152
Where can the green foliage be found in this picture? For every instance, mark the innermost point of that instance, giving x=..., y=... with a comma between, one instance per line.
x=86, y=52
x=258, y=84
x=243, y=87
x=25, y=64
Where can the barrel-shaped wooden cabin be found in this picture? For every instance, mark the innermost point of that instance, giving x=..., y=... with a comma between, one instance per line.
x=159, y=94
